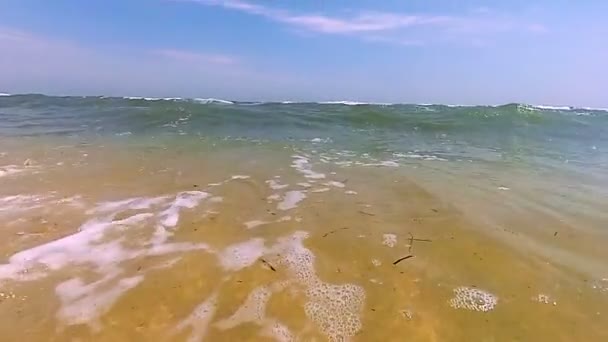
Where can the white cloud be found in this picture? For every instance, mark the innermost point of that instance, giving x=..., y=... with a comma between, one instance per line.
x=386, y=26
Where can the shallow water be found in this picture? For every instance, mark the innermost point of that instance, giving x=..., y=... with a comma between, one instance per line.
x=284, y=223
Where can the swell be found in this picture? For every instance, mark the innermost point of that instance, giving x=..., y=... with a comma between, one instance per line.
x=516, y=128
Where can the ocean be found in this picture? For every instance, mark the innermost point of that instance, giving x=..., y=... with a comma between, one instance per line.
x=145, y=219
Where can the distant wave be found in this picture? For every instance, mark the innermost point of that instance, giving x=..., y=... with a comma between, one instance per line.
x=594, y=109
x=197, y=100
x=545, y=107
x=429, y=106
x=354, y=103
x=152, y=98
x=212, y=100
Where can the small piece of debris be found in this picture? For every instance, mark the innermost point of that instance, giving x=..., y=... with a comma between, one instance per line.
x=407, y=314
x=269, y=265
x=401, y=259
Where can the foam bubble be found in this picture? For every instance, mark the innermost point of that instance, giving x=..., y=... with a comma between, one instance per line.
x=473, y=299
x=291, y=200
x=278, y=331
x=389, y=240
x=544, y=299
x=376, y=262
x=335, y=309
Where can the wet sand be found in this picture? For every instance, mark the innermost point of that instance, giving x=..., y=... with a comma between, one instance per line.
x=108, y=242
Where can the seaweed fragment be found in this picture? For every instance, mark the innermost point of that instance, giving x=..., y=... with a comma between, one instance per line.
x=401, y=259
x=269, y=265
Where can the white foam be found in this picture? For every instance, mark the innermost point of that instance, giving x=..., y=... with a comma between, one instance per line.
x=199, y=319
x=284, y=218
x=376, y=262
x=252, y=310
x=427, y=157
x=545, y=107
x=473, y=299
x=504, y=188
x=350, y=192
x=278, y=331
x=212, y=100
x=320, y=190
x=84, y=303
x=335, y=309
x=302, y=165
x=5, y=94
x=241, y=255
x=276, y=185
x=152, y=98
x=389, y=163
x=305, y=184
x=319, y=140
x=347, y=103
x=255, y=223
x=20, y=203
x=90, y=246
x=216, y=199
x=137, y=203
x=291, y=200
x=335, y=184
x=135, y=219
x=544, y=299
x=274, y=197
x=389, y=240
x=9, y=170
x=183, y=200
x=355, y=103
x=240, y=177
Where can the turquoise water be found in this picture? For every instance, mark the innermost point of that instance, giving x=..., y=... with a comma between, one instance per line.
x=508, y=132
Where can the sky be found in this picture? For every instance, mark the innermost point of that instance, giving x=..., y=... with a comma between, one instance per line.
x=551, y=52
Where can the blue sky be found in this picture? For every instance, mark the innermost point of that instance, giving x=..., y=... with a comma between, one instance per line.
x=415, y=51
